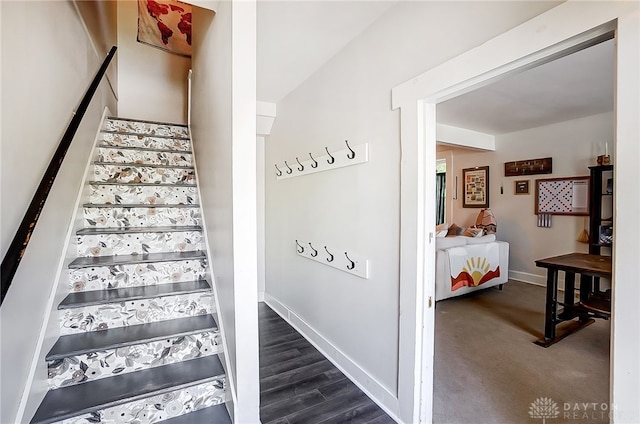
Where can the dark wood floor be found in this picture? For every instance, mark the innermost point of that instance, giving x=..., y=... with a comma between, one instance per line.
x=299, y=385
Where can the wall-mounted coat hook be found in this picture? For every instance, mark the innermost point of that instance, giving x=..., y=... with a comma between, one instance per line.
x=358, y=266
x=278, y=171
x=353, y=264
x=330, y=258
x=289, y=170
x=351, y=155
x=315, y=162
x=332, y=158
x=301, y=167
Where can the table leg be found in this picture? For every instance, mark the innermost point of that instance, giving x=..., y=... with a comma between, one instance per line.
x=551, y=311
x=569, y=288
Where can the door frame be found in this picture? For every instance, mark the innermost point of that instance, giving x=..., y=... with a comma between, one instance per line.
x=558, y=32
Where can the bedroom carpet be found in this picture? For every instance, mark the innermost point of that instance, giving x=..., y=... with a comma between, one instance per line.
x=487, y=369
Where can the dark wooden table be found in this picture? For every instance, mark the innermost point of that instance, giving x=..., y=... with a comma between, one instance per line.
x=591, y=305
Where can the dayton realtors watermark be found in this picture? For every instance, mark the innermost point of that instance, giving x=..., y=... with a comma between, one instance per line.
x=547, y=409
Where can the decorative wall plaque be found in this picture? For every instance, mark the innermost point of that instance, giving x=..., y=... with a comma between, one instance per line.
x=527, y=167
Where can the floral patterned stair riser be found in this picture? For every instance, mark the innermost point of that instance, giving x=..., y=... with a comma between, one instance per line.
x=114, y=155
x=142, y=174
x=148, y=128
x=140, y=217
x=101, y=317
x=138, y=243
x=143, y=195
x=133, y=275
x=145, y=142
x=96, y=365
x=160, y=407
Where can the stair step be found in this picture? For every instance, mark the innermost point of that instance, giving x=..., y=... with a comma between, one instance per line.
x=96, y=261
x=142, y=184
x=145, y=142
x=113, y=172
x=136, y=230
x=101, y=297
x=136, y=274
x=123, y=156
x=79, y=399
x=138, y=205
x=148, y=195
x=142, y=149
x=217, y=414
x=144, y=121
x=132, y=243
x=112, y=338
x=145, y=128
x=140, y=215
x=149, y=134
x=142, y=165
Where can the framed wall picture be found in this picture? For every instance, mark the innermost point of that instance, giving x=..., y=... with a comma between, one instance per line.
x=522, y=187
x=476, y=187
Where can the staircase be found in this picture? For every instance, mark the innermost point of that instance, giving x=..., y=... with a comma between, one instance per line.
x=139, y=340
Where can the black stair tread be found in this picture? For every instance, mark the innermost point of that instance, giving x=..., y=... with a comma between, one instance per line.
x=93, y=261
x=113, y=338
x=136, y=230
x=115, y=118
x=100, y=297
x=216, y=414
x=104, y=145
x=144, y=134
x=70, y=401
x=139, y=205
x=143, y=184
x=141, y=165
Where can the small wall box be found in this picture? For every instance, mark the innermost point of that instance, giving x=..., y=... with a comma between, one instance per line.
x=606, y=235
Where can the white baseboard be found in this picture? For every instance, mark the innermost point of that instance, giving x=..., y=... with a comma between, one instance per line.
x=368, y=384
x=535, y=279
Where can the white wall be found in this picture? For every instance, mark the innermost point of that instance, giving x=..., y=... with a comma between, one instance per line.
x=573, y=146
x=224, y=136
x=45, y=72
x=152, y=84
x=358, y=207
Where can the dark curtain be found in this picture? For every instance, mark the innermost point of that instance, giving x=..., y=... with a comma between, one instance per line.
x=441, y=179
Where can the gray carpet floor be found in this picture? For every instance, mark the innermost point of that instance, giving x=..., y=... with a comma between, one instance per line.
x=487, y=369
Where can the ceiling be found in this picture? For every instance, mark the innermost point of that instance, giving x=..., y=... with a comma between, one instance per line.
x=295, y=38
x=571, y=87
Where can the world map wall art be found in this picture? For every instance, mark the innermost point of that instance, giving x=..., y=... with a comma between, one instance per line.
x=165, y=25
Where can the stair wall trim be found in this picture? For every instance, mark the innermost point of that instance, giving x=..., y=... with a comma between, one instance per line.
x=212, y=280
x=46, y=339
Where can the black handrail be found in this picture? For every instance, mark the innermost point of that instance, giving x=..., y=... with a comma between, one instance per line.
x=23, y=234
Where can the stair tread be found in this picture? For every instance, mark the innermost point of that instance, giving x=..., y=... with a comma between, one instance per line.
x=99, y=297
x=113, y=338
x=70, y=401
x=143, y=184
x=115, y=118
x=141, y=165
x=118, y=147
x=144, y=134
x=136, y=230
x=216, y=414
x=92, y=261
x=139, y=205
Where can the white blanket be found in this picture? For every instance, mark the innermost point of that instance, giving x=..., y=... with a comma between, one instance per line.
x=473, y=265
